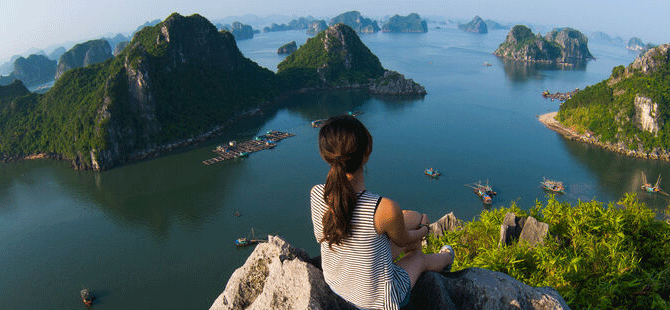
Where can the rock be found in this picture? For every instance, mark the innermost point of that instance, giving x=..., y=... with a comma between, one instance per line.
x=448, y=222
x=510, y=229
x=562, y=46
x=476, y=288
x=635, y=44
x=534, y=231
x=476, y=25
x=279, y=276
x=119, y=47
x=34, y=70
x=56, y=53
x=356, y=21
x=84, y=54
x=317, y=26
x=242, y=32
x=395, y=84
x=409, y=23
x=288, y=48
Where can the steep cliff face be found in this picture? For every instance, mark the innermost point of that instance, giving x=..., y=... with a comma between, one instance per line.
x=317, y=26
x=574, y=45
x=564, y=46
x=476, y=25
x=34, y=70
x=409, y=23
x=82, y=55
x=288, y=48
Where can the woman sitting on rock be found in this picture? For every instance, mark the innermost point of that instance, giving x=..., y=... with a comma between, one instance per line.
x=362, y=233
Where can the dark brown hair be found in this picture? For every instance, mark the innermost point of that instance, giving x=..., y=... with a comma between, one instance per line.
x=344, y=143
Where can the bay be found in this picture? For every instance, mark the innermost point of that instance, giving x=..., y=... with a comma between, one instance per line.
x=159, y=234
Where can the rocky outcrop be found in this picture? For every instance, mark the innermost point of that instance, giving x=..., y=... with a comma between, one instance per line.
x=295, y=24
x=288, y=48
x=279, y=276
x=241, y=31
x=84, y=54
x=635, y=44
x=573, y=43
x=493, y=25
x=409, y=23
x=647, y=115
x=317, y=26
x=395, y=84
x=56, y=53
x=356, y=21
x=651, y=61
x=476, y=25
x=349, y=64
x=561, y=46
x=34, y=70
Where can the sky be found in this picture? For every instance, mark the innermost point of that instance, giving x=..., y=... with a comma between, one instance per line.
x=31, y=25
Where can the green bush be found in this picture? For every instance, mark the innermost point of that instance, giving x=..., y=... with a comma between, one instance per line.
x=596, y=256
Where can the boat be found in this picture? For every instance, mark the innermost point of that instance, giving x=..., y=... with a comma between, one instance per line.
x=647, y=187
x=485, y=192
x=433, y=173
x=86, y=297
x=553, y=186
x=244, y=241
x=243, y=154
x=318, y=123
x=487, y=64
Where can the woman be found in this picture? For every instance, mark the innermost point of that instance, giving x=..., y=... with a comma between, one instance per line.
x=362, y=233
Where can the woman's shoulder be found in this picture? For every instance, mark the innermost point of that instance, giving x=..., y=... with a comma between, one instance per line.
x=317, y=189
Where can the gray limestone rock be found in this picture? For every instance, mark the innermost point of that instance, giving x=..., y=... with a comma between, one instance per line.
x=534, y=231
x=279, y=276
x=448, y=222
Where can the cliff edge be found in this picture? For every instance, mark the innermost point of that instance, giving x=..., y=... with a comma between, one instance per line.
x=563, y=46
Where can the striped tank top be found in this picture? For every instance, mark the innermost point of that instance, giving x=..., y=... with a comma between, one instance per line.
x=360, y=269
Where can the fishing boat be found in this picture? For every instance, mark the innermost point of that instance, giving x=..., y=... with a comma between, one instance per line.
x=485, y=192
x=86, y=297
x=318, y=123
x=433, y=173
x=553, y=186
x=487, y=64
x=647, y=187
x=244, y=241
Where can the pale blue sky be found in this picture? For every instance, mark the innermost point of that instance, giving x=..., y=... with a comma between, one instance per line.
x=26, y=24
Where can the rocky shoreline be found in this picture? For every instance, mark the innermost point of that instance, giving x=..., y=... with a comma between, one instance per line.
x=549, y=120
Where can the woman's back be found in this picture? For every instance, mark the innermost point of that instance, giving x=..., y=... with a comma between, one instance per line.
x=361, y=268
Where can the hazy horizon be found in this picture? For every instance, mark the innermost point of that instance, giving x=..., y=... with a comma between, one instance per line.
x=34, y=25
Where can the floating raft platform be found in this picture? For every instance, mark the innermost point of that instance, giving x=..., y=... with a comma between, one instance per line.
x=243, y=149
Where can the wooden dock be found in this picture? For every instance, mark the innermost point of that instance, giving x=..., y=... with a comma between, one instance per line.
x=243, y=149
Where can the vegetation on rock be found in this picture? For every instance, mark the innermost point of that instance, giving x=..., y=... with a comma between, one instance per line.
x=631, y=108
x=596, y=256
x=476, y=25
x=84, y=54
x=409, y=23
x=565, y=45
x=356, y=21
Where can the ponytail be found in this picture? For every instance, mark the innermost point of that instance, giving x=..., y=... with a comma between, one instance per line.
x=344, y=143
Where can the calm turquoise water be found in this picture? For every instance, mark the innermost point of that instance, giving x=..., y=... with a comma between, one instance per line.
x=159, y=234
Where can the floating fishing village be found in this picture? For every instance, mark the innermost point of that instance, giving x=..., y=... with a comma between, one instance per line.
x=243, y=149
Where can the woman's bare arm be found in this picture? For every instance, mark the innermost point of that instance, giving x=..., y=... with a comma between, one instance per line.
x=390, y=220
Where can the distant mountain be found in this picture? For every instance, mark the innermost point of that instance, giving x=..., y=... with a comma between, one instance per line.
x=147, y=24
x=34, y=70
x=288, y=48
x=84, y=54
x=56, y=53
x=476, y=25
x=356, y=21
x=336, y=58
x=565, y=45
x=629, y=111
x=113, y=42
x=176, y=80
x=119, y=47
x=409, y=23
x=241, y=31
x=635, y=44
x=493, y=25
x=295, y=24
x=8, y=67
x=317, y=26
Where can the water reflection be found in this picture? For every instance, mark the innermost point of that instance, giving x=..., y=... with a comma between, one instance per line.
x=618, y=174
x=522, y=71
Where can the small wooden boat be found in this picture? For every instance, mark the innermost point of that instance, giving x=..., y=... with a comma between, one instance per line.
x=553, y=186
x=86, y=297
x=485, y=192
x=647, y=187
x=433, y=173
x=245, y=241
